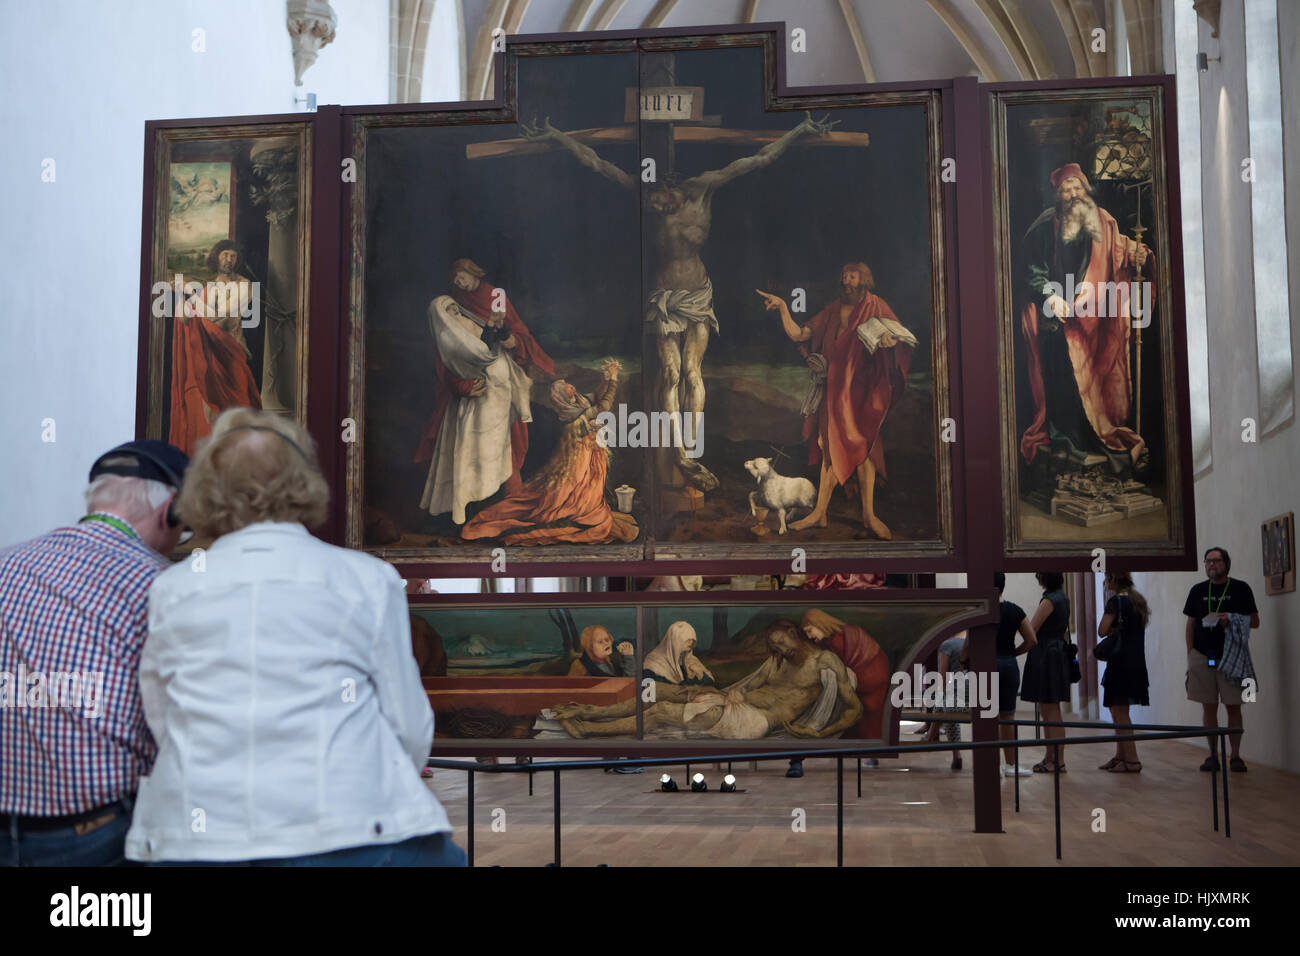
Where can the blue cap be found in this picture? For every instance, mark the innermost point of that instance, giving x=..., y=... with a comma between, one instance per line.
x=153, y=459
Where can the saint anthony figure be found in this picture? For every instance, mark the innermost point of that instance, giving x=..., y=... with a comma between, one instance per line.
x=210, y=359
x=565, y=501
x=680, y=310
x=1077, y=352
x=477, y=437
x=864, y=351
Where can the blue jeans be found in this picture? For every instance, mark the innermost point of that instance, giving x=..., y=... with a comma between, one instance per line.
x=103, y=846
x=431, y=849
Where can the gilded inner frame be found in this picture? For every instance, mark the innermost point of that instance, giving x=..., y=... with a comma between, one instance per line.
x=284, y=197
x=654, y=541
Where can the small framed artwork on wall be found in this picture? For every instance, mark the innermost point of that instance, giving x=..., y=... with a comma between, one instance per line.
x=1277, y=536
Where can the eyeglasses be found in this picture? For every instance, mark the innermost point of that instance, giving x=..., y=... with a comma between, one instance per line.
x=1214, y=560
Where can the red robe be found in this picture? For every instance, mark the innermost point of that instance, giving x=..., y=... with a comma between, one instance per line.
x=210, y=373
x=565, y=501
x=526, y=353
x=835, y=582
x=1098, y=347
x=859, y=388
x=862, y=655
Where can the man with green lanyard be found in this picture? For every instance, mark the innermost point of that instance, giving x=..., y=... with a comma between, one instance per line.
x=73, y=618
x=1207, y=608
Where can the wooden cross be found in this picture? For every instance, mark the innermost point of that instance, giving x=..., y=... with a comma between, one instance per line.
x=659, y=133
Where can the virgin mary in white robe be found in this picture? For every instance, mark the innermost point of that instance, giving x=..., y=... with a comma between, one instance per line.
x=471, y=457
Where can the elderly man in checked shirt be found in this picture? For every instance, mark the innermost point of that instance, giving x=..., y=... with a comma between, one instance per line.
x=73, y=615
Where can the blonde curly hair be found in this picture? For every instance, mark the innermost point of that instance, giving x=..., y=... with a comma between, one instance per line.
x=242, y=474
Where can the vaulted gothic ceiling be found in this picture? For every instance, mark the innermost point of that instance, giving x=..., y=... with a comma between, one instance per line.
x=848, y=41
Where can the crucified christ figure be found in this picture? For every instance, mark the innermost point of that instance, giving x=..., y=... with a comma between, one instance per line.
x=680, y=308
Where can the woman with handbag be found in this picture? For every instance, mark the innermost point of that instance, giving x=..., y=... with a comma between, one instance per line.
x=1123, y=632
x=1047, y=676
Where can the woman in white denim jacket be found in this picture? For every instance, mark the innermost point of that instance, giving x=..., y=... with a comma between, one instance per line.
x=278, y=679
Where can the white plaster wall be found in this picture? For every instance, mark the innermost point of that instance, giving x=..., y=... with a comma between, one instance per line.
x=80, y=79
x=1248, y=482
x=440, y=82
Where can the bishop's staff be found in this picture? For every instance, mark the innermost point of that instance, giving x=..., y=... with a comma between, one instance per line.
x=1138, y=230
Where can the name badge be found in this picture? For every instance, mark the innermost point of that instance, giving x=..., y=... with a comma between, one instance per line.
x=1210, y=620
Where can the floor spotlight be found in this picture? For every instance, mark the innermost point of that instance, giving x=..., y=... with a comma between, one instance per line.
x=667, y=784
x=728, y=783
x=697, y=783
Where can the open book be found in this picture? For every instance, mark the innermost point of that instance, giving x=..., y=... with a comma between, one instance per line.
x=872, y=330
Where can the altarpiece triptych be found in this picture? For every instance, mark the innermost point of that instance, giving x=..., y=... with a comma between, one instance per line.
x=651, y=311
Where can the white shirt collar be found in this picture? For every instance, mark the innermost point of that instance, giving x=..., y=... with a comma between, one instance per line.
x=293, y=528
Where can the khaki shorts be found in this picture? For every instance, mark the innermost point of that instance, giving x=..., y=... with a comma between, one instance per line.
x=1208, y=685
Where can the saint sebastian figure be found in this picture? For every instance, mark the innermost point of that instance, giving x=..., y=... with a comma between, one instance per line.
x=210, y=359
x=483, y=360
x=680, y=309
x=843, y=432
x=565, y=501
x=1077, y=359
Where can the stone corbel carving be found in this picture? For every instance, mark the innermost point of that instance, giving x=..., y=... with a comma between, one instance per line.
x=311, y=24
x=1208, y=10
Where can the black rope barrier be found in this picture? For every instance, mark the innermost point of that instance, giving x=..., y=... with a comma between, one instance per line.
x=1145, y=732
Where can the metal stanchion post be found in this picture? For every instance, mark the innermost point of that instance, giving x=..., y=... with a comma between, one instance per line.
x=839, y=811
x=859, y=778
x=1223, y=751
x=1056, y=775
x=1015, y=752
x=557, y=818
x=1214, y=796
x=470, y=825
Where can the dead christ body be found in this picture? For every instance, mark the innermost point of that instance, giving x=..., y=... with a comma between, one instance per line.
x=785, y=686
x=681, y=306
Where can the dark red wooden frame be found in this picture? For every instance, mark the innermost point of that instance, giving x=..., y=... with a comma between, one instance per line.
x=876, y=598
x=1189, y=559
x=973, y=346
x=501, y=109
x=965, y=126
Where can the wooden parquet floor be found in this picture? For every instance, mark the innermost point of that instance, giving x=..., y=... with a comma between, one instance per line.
x=914, y=811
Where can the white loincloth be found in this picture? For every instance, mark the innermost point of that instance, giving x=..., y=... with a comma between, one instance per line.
x=471, y=457
x=673, y=310
x=738, y=721
x=746, y=722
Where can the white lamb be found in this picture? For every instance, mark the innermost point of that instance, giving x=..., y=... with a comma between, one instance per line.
x=777, y=492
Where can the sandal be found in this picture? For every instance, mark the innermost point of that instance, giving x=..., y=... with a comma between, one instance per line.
x=1127, y=766
x=1046, y=766
x=1111, y=763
